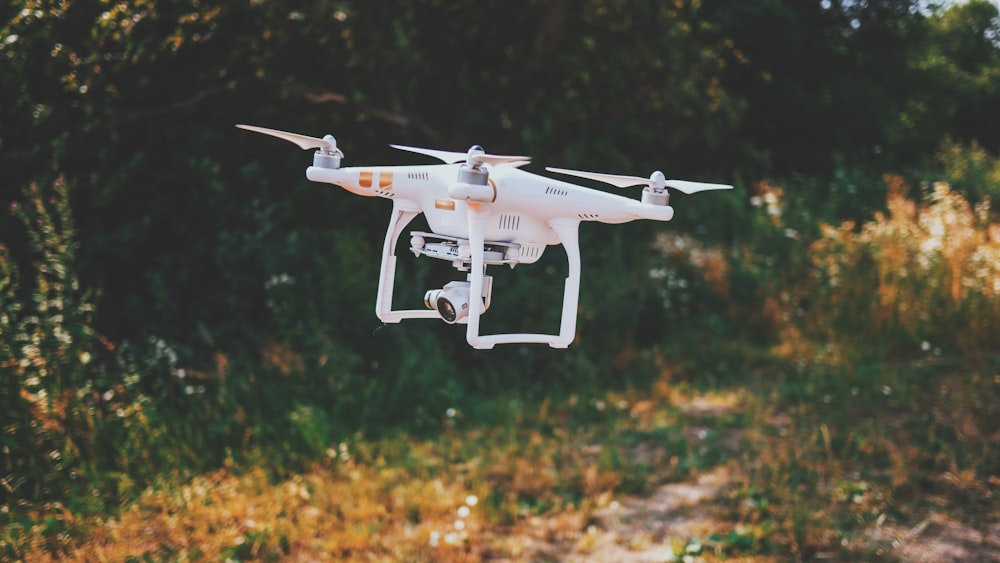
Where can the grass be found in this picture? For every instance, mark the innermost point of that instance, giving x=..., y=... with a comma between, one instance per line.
x=458, y=495
x=802, y=471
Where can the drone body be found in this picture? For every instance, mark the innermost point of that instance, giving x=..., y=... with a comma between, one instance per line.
x=484, y=212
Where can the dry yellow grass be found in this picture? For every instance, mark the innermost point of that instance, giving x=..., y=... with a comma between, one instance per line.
x=465, y=496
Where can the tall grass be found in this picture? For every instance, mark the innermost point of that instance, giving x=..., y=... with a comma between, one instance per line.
x=917, y=277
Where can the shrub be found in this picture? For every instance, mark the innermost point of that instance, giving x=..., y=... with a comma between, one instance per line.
x=918, y=277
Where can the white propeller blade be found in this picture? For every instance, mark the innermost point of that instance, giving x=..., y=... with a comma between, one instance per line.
x=444, y=156
x=303, y=141
x=613, y=179
x=452, y=157
x=494, y=159
x=695, y=187
x=623, y=181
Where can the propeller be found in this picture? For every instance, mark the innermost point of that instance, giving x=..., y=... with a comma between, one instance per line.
x=656, y=180
x=327, y=143
x=474, y=156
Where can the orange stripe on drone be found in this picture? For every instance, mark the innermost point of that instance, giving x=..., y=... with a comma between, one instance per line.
x=365, y=179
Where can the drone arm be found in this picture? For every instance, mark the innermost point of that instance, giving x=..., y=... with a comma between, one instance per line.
x=402, y=213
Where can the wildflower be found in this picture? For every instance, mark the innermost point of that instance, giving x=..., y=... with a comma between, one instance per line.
x=434, y=539
x=886, y=390
x=463, y=512
x=472, y=500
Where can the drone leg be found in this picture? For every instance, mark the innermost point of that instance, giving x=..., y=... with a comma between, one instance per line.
x=402, y=213
x=569, y=235
x=477, y=219
x=568, y=232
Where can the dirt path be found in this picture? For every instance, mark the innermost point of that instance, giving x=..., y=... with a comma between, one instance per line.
x=656, y=528
x=668, y=523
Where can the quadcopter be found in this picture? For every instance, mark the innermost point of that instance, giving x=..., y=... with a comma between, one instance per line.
x=483, y=210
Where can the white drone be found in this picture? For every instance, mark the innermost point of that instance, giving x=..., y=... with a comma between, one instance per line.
x=485, y=212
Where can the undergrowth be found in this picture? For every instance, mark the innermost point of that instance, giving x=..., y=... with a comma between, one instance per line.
x=849, y=367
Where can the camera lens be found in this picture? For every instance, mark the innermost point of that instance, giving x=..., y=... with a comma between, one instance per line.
x=447, y=310
x=431, y=297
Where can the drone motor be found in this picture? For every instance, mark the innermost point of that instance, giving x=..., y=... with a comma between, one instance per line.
x=473, y=182
x=655, y=192
x=328, y=156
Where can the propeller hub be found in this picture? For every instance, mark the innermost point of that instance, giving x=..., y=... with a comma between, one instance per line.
x=474, y=156
x=657, y=180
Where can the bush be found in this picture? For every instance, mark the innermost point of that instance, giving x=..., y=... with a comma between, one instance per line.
x=919, y=277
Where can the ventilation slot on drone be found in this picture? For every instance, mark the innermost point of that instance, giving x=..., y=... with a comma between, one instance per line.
x=588, y=216
x=384, y=193
x=418, y=176
x=529, y=252
x=549, y=190
x=510, y=222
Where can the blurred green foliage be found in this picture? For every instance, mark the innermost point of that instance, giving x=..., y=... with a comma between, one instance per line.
x=174, y=295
